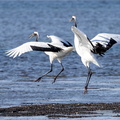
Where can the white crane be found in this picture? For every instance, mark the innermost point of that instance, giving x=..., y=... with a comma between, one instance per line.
x=84, y=49
x=56, y=49
x=102, y=41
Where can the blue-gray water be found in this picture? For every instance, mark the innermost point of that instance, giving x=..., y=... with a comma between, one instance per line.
x=18, y=19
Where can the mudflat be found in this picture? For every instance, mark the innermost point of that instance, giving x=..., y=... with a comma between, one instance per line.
x=73, y=110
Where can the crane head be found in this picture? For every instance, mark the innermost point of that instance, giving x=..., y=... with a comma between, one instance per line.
x=35, y=33
x=73, y=18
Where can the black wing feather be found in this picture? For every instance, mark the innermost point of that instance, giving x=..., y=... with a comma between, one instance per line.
x=66, y=45
x=51, y=48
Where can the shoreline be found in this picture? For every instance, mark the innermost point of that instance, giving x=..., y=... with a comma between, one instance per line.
x=73, y=110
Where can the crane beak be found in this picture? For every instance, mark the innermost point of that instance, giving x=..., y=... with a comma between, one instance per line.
x=32, y=35
x=71, y=19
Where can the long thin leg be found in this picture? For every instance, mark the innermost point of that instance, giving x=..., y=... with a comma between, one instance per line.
x=51, y=66
x=88, y=80
x=58, y=73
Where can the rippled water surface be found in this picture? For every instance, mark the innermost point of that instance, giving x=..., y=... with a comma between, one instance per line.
x=18, y=19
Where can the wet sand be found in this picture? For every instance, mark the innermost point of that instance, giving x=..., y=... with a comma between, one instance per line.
x=74, y=110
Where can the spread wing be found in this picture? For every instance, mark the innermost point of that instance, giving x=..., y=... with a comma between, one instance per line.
x=104, y=38
x=59, y=41
x=32, y=46
x=83, y=41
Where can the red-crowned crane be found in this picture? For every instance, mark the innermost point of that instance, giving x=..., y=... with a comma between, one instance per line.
x=86, y=47
x=56, y=49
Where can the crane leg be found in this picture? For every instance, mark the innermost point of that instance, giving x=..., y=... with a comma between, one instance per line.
x=58, y=73
x=88, y=80
x=44, y=74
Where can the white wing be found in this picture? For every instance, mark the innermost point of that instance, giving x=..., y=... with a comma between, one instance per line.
x=26, y=47
x=83, y=41
x=59, y=42
x=104, y=38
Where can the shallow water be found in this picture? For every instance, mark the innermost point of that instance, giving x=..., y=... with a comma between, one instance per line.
x=19, y=19
x=45, y=118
